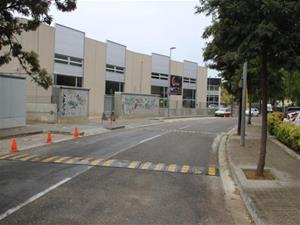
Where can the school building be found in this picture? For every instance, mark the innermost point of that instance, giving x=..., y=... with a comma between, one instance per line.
x=87, y=73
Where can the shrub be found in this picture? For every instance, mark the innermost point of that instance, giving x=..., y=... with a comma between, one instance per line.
x=287, y=133
x=273, y=120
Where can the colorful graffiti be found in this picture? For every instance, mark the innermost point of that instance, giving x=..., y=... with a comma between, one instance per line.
x=135, y=104
x=74, y=102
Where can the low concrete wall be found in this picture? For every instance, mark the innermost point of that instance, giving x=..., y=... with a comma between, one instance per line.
x=72, y=104
x=37, y=112
x=136, y=105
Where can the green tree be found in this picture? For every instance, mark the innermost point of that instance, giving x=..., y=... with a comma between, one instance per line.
x=267, y=31
x=291, y=85
x=36, y=12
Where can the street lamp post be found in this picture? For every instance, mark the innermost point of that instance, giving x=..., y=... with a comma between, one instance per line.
x=169, y=77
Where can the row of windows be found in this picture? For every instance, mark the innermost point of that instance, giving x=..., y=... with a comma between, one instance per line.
x=68, y=60
x=71, y=81
x=115, y=69
x=189, y=80
x=213, y=87
x=159, y=76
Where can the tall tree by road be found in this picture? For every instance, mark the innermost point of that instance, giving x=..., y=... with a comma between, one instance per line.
x=267, y=30
x=36, y=12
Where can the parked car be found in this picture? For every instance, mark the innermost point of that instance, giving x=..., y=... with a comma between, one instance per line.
x=254, y=112
x=269, y=108
x=223, y=112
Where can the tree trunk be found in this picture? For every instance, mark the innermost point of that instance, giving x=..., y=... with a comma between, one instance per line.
x=263, y=141
x=250, y=105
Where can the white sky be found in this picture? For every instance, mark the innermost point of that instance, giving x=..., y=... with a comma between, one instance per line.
x=143, y=26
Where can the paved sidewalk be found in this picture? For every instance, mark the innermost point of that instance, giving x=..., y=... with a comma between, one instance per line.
x=268, y=201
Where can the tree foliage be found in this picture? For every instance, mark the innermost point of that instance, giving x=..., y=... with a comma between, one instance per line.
x=264, y=31
x=36, y=12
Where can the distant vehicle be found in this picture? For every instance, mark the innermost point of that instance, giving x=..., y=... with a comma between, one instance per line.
x=254, y=112
x=293, y=109
x=223, y=112
x=213, y=106
x=269, y=108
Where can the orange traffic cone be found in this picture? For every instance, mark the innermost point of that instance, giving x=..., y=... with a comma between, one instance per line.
x=49, y=137
x=14, y=146
x=76, y=134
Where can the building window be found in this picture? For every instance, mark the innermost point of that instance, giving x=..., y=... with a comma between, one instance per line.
x=213, y=100
x=159, y=76
x=163, y=95
x=189, y=98
x=213, y=87
x=68, y=60
x=111, y=87
x=115, y=69
x=189, y=80
x=65, y=80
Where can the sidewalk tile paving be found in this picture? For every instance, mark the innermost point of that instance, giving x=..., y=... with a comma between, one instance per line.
x=269, y=201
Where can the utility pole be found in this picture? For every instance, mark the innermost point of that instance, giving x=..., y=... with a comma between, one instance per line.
x=243, y=119
x=240, y=105
x=169, y=79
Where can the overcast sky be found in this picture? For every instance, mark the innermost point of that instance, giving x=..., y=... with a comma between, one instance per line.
x=145, y=26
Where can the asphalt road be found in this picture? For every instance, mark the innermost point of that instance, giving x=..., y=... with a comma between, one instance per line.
x=82, y=194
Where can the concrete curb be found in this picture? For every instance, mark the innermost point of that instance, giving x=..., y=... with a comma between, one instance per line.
x=247, y=200
x=234, y=201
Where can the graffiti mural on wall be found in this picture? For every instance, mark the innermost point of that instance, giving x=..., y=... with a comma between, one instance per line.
x=134, y=104
x=74, y=102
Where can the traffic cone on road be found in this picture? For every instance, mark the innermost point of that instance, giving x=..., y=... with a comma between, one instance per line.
x=14, y=146
x=49, y=137
x=76, y=134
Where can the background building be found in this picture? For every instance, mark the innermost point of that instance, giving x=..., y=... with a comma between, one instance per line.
x=213, y=92
x=89, y=72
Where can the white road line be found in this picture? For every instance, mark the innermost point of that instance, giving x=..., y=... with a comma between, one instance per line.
x=37, y=196
x=181, y=128
x=150, y=138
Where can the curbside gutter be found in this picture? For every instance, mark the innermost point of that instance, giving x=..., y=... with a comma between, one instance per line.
x=233, y=198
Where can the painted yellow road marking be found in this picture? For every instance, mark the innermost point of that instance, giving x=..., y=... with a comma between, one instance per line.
x=95, y=162
x=28, y=157
x=59, y=160
x=211, y=171
x=18, y=156
x=133, y=164
x=6, y=155
x=185, y=169
x=146, y=165
x=172, y=168
x=73, y=160
x=159, y=166
x=197, y=171
x=49, y=159
x=108, y=162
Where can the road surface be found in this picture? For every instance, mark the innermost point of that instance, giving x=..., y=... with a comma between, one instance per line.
x=162, y=178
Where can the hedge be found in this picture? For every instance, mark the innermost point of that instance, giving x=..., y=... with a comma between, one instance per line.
x=287, y=133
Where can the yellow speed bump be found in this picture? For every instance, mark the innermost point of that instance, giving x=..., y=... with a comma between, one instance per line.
x=49, y=159
x=108, y=162
x=133, y=164
x=96, y=162
x=59, y=160
x=185, y=169
x=159, y=167
x=172, y=168
x=211, y=171
x=5, y=156
x=146, y=166
x=28, y=157
x=73, y=160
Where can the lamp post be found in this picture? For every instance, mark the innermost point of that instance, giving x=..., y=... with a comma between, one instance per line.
x=169, y=77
